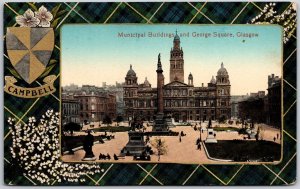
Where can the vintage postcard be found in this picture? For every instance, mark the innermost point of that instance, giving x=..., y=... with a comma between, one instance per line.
x=157, y=93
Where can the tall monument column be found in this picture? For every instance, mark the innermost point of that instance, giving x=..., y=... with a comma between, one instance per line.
x=159, y=122
x=160, y=84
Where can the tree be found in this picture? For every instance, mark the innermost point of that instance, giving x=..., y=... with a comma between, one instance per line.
x=107, y=120
x=160, y=146
x=71, y=127
x=119, y=119
x=222, y=119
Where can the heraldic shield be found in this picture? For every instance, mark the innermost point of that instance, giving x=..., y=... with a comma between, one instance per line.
x=29, y=50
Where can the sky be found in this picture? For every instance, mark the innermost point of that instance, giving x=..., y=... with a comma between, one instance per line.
x=92, y=54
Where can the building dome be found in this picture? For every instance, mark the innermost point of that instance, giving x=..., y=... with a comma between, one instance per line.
x=222, y=70
x=190, y=76
x=147, y=83
x=131, y=72
x=213, y=80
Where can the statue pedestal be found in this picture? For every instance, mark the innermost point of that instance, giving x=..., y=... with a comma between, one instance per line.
x=160, y=123
x=211, y=136
x=89, y=157
x=135, y=145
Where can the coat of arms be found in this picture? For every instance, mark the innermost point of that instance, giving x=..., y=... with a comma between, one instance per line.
x=29, y=49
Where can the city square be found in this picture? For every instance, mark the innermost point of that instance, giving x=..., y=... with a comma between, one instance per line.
x=185, y=151
x=173, y=121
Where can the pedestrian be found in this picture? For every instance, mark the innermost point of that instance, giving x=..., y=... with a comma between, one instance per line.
x=158, y=153
x=198, y=141
x=274, y=139
x=159, y=142
x=277, y=135
x=179, y=138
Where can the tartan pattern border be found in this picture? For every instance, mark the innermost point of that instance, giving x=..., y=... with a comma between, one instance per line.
x=150, y=173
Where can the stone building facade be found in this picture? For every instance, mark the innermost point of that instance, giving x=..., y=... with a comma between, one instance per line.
x=253, y=108
x=182, y=101
x=70, y=110
x=264, y=108
x=234, y=101
x=274, y=102
x=94, y=103
x=116, y=89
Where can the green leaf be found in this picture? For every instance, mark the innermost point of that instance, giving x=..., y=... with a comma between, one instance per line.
x=55, y=22
x=52, y=61
x=60, y=13
x=47, y=71
x=33, y=6
x=14, y=73
x=55, y=10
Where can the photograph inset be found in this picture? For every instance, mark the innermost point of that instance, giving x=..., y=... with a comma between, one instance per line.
x=171, y=93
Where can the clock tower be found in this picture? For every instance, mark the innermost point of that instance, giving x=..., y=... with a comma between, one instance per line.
x=176, y=61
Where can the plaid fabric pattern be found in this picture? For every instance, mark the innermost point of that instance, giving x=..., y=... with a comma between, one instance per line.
x=223, y=12
x=174, y=13
x=95, y=13
x=125, y=14
x=149, y=173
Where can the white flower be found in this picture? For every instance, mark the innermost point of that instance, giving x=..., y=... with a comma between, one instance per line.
x=294, y=6
x=27, y=19
x=45, y=166
x=44, y=16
